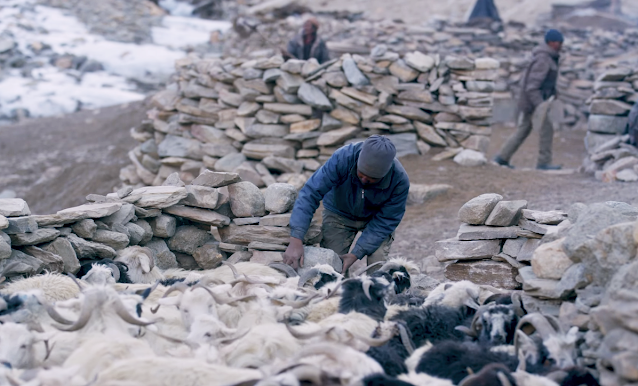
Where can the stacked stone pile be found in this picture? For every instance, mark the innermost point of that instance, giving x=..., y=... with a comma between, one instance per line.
x=497, y=236
x=610, y=156
x=197, y=226
x=274, y=121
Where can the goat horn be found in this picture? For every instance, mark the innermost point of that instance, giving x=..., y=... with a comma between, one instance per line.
x=336, y=288
x=192, y=345
x=121, y=311
x=517, y=302
x=472, y=302
x=309, y=274
x=367, y=268
x=555, y=323
x=307, y=335
x=330, y=350
x=53, y=313
x=233, y=338
x=48, y=349
x=150, y=290
x=296, y=304
x=75, y=280
x=285, y=268
x=115, y=270
x=503, y=378
x=467, y=331
x=405, y=338
x=85, y=315
x=179, y=286
x=232, y=268
x=372, y=342
x=539, y=322
x=366, y=288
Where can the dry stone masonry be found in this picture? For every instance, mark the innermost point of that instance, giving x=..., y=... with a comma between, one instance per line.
x=610, y=156
x=271, y=121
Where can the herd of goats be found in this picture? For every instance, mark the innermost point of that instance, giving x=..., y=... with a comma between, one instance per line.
x=124, y=322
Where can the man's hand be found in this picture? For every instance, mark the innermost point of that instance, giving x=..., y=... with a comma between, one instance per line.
x=347, y=259
x=294, y=253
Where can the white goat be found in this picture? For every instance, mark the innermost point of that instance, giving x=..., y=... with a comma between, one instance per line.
x=262, y=345
x=140, y=263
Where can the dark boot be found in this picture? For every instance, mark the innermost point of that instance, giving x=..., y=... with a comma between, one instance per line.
x=502, y=162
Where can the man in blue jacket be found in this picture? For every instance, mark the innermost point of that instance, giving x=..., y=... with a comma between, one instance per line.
x=364, y=188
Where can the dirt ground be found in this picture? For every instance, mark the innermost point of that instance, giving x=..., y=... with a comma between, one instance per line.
x=54, y=163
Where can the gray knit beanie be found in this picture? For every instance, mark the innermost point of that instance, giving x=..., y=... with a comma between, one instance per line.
x=376, y=157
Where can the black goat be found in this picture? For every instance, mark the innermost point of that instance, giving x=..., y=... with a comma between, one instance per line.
x=433, y=323
x=452, y=359
x=383, y=380
x=391, y=356
x=491, y=375
x=493, y=324
x=364, y=295
x=406, y=299
x=123, y=268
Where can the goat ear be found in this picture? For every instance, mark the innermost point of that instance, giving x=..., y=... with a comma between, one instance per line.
x=447, y=287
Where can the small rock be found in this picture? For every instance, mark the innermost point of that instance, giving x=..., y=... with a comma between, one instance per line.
x=506, y=213
x=63, y=248
x=541, y=229
x=4, y=223
x=21, y=225
x=163, y=226
x=607, y=124
x=609, y=107
x=158, y=197
x=89, y=250
x=266, y=257
x=51, y=262
x=125, y=214
x=277, y=220
x=14, y=207
x=419, y=194
x=40, y=236
x=5, y=248
x=337, y=136
x=20, y=263
x=352, y=72
x=162, y=256
x=494, y=273
x=460, y=63
x=201, y=197
x=209, y=256
x=173, y=180
x=187, y=239
x=512, y=247
x=280, y=198
x=240, y=256
x=470, y=157
x=553, y=217
x=259, y=246
x=402, y=71
x=230, y=162
x=527, y=251
x=405, y=144
x=186, y=262
x=246, y=200
x=313, y=96
x=215, y=179
x=419, y=61
x=550, y=261
x=246, y=221
x=627, y=175
x=114, y=240
x=136, y=233
x=477, y=210
x=315, y=256
x=283, y=165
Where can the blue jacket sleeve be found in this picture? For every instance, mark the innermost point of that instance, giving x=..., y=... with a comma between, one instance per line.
x=383, y=223
x=328, y=176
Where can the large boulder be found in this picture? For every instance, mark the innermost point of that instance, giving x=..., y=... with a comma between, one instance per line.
x=550, y=260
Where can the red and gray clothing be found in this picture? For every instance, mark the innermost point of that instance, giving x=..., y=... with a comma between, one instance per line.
x=316, y=49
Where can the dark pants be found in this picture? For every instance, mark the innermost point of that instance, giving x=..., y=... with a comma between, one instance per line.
x=339, y=233
x=523, y=130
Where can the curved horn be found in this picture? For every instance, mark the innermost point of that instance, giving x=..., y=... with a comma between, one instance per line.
x=503, y=379
x=405, y=338
x=232, y=268
x=179, y=286
x=192, y=345
x=366, y=288
x=121, y=311
x=307, y=335
x=296, y=304
x=472, y=302
x=327, y=349
x=467, y=331
x=517, y=302
x=147, y=292
x=233, y=338
x=115, y=270
x=285, y=268
x=53, y=313
x=309, y=274
x=75, y=280
x=540, y=323
x=336, y=288
x=366, y=269
x=85, y=315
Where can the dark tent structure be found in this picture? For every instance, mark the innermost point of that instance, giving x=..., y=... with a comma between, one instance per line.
x=484, y=10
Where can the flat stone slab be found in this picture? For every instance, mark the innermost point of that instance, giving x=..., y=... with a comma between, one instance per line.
x=484, y=232
x=259, y=246
x=478, y=209
x=51, y=262
x=20, y=263
x=535, y=227
x=487, y=272
x=216, y=179
x=553, y=217
x=203, y=216
x=21, y=225
x=277, y=220
x=506, y=213
x=246, y=221
x=89, y=250
x=201, y=196
x=454, y=249
x=40, y=236
x=234, y=234
x=315, y=256
x=158, y=197
x=91, y=210
x=14, y=207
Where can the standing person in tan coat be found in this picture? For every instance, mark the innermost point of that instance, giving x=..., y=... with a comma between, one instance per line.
x=537, y=86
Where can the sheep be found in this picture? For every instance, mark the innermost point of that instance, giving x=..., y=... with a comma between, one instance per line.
x=493, y=324
x=162, y=371
x=54, y=286
x=140, y=263
x=463, y=295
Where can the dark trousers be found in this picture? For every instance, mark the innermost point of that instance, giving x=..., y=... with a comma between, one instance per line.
x=339, y=233
x=523, y=130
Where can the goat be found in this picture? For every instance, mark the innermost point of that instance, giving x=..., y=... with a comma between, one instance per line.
x=411, y=379
x=140, y=263
x=393, y=354
x=119, y=269
x=463, y=295
x=493, y=324
x=432, y=323
x=54, y=286
x=549, y=343
x=261, y=346
x=18, y=347
x=400, y=271
x=365, y=295
x=319, y=276
x=101, y=275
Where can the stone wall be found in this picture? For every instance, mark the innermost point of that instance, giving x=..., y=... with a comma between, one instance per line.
x=610, y=156
x=274, y=121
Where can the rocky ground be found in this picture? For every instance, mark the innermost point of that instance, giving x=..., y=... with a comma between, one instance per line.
x=82, y=153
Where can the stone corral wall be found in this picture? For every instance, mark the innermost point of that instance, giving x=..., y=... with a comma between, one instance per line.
x=274, y=121
x=580, y=266
x=175, y=221
x=610, y=156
